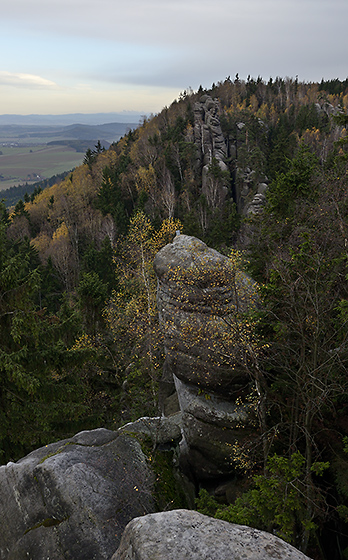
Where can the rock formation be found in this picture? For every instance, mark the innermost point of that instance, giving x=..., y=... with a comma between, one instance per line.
x=199, y=294
x=250, y=191
x=180, y=534
x=208, y=135
x=213, y=151
x=211, y=147
x=73, y=499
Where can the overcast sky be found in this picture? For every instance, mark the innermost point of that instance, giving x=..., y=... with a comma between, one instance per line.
x=67, y=56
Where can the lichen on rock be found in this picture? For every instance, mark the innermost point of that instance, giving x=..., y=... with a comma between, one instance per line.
x=183, y=534
x=200, y=295
x=73, y=498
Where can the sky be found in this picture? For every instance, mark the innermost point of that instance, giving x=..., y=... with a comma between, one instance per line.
x=89, y=56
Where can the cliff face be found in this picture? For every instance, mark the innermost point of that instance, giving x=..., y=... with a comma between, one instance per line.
x=199, y=294
x=207, y=130
x=212, y=146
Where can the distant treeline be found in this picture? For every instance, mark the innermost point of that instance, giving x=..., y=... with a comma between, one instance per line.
x=334, y=87
x=28, y=192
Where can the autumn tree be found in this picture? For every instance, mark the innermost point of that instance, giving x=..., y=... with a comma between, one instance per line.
x=131, y=313
x=168, y=197
x=302, y=246
x=39, y=375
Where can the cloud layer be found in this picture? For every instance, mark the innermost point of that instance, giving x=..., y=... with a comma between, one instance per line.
x=25, y=81
x=168, y=45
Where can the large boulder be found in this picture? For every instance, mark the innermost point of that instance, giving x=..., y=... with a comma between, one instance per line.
x=199, y=292
x=183, y=534
x=72, y=499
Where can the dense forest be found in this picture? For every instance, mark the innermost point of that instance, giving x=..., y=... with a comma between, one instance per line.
x=81, y=346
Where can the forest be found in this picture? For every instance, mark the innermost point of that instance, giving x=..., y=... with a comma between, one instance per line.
x=81, y=345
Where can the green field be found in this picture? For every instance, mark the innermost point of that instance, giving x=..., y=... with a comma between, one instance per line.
x=29, y=164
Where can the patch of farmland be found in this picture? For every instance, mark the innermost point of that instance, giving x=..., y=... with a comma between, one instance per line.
x=19, y=165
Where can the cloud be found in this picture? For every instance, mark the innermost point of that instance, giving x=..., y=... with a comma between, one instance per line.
x=25, y=81
x=172, y=21
x=159, y=46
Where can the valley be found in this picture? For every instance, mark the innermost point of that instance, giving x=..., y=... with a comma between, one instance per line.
x=29, y=164
x=30, y=153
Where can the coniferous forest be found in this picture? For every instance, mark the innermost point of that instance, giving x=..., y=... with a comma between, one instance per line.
x=81, y=346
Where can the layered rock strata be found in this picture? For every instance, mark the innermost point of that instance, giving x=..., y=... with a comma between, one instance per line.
x=208, y=135
x=213, y=151
x=210, y=143
x=199, y=293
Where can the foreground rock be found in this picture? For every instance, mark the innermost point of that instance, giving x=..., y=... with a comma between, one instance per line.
x=183, y=534
x=73, y=499
x=199, y=293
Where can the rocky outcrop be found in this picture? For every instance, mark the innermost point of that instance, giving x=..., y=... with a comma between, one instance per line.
x=181, y=534
x=73, y=499
x=250, y=191
x=208, y=136
x=211, y=147
x=213, y=151
x=256, y=205
x=199, y=293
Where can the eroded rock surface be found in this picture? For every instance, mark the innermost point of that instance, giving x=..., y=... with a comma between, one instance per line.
x=198, y=292
x=208, y=135
x=73, y=499
x=160, y=430
x=183, y=534
x=210, y=145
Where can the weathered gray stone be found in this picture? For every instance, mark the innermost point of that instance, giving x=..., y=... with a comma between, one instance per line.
x=186, y=251
x=256, y=205
x=188, y=535
x=210, y=144
x=162, y=430
x=212, y=427
x=262, y=188
x=198, y=290
x=72, y=499
x=210, y=408
x=208, y=135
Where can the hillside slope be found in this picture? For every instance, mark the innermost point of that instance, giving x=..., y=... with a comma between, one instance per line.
x=258, y=171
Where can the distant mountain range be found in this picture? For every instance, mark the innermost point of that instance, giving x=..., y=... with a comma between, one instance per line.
x=74, y=118
x=24, y=133
x=57, y=136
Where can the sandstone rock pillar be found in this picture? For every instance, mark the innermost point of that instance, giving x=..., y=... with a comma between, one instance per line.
x=198, y=293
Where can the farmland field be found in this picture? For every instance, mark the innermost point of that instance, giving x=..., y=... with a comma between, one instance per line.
x=29, y=164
